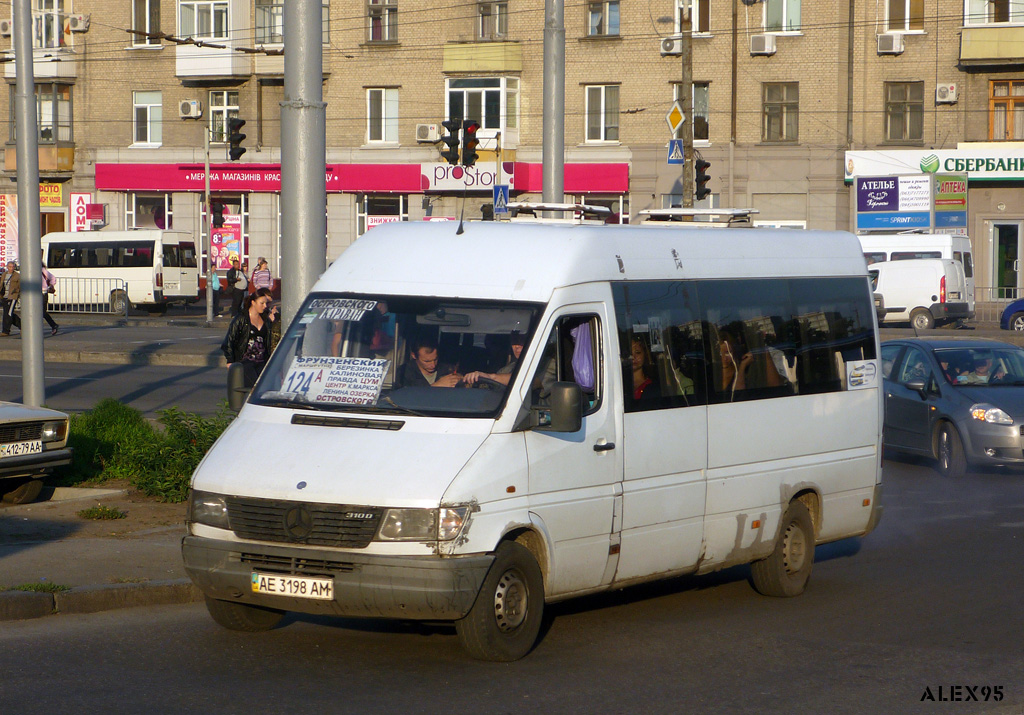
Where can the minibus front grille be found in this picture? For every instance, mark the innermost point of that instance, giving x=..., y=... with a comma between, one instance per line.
x=21, y=432
x=295, y=566
x=338, y=525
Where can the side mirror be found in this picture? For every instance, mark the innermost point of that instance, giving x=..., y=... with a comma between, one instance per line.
x=566, y=408
x=918, y=386
x=237, y=391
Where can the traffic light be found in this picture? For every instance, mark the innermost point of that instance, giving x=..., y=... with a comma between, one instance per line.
x=451, y=139
x=217, y=213
x=235, y=138
x=469, y=142
x=701, y=189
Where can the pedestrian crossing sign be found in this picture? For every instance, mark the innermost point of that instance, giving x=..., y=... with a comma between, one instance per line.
x=501, y=199
x=675, y=151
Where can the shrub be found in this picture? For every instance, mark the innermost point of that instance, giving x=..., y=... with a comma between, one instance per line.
x=114, y=441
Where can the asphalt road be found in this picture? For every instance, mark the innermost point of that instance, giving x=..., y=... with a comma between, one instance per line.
x=77, y=387
x=919, y=617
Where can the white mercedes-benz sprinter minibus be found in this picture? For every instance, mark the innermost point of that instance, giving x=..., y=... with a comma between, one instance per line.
x=466, y=427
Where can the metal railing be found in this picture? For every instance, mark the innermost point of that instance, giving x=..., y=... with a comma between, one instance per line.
x=990, y=301
x=90, y=295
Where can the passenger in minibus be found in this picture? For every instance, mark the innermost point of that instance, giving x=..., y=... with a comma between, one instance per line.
x=423, y=367
x=644, y=386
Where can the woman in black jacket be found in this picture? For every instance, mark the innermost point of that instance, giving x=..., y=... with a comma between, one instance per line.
x=248, y=337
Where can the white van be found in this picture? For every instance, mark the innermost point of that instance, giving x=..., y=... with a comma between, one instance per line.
x=149, y=268
x=924, y=291
x=880, y=247
x=644, y=403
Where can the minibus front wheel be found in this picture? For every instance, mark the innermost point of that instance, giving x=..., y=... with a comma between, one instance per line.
x=785, y=573
x=505, y=620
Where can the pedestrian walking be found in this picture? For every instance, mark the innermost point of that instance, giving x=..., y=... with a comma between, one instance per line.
x=261, y=277
x=49, y=288
x=215, y=287
x=10, y=293
x=239, y=285
x=248, y=338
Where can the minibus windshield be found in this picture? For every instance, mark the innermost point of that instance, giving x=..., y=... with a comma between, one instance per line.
x=423, y=356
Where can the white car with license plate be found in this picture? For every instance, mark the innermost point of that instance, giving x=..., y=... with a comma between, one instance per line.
x=33, y=442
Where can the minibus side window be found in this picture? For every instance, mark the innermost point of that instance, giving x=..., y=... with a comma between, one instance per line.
x=875, y=257
x=572, y=353
x=661, y=344
x=911, y=255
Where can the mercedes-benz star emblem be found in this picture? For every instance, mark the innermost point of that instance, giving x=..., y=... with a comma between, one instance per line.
x=298, y=523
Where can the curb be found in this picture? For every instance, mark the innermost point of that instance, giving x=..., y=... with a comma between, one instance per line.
x=131, y=358
x=23, y=605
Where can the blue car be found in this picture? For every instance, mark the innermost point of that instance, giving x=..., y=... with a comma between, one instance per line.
x=1013, y=316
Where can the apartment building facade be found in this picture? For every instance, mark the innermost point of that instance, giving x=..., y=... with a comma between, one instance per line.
x=786, y=94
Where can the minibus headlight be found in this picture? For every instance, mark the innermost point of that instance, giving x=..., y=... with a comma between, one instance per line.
x=55, y=431
x=990, y=413
x=209, y=509
x=422, y=524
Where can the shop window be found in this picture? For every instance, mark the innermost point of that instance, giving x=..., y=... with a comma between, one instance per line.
x=1006, y=110
x=602, y=113
x=374, y=210
x=148, y=211
x=781, y=104
x=231, y=239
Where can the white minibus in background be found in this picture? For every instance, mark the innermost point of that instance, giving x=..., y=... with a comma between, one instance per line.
x=466, y=427
x=147, y=268
x=880, y=247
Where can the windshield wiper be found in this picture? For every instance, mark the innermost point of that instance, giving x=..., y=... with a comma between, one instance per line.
x=404, y=410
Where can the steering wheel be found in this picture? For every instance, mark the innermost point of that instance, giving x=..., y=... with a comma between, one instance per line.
x=486, y=382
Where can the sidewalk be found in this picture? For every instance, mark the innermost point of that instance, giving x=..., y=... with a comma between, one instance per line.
x=97, y=565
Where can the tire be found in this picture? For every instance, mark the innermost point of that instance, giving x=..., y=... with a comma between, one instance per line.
x=786, y=572
x=243, y=617
x=158, y=309
x=505, y=620
x=922, y=319
x=951, y=461
x=1017, y=322
x=119, y=302
x=24, y=492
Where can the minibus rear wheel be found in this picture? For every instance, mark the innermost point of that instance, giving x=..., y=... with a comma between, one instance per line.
x=119, y=302
x=243, y=617
x=785, y=573
x=504, y=622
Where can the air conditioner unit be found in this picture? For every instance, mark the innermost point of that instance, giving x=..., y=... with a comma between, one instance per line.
x=6, y=27
x=190, y=109
x=945, y=94
x=77, y=23
x=671, y=46
x=890, y=44
x=762, y=44
x=428, y=133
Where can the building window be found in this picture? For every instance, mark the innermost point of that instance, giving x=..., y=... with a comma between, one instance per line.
x=270, y=22
x=223, y=106
x=781, y=15
x=148, y=211
x=382, y=115
x=603, y=18
x=493, y=20
x=383, y=15
x=905, y=15
x=904, y=111
x=701, y=110
x=492, y=101
x=373, y=210
x=203, y=19
x=603, y=113
x=699, y=15
x=53, y=113
x=148, y=118
x=145, y=18
x=48, y=24
x=987, y=12
x=1006, y=111
x=781, y=104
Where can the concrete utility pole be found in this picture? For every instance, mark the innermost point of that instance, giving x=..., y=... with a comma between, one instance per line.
x=686, y=102
x=210, y=267
x=29, y=251
x=553, y=155
x=303, y=155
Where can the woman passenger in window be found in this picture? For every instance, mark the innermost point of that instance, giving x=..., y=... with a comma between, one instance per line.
x=644, y=386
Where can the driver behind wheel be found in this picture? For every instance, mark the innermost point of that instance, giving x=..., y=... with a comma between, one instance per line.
x=504, y=374
x=422, y=369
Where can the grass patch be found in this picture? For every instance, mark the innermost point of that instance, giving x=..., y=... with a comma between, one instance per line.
x=41, y=587
x=102, y=513
x=114, y=441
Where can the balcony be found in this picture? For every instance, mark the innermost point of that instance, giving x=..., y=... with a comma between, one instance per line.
x=59, y=63
x=992, y=45
x=483, y=57
x=212, y=54
x=53, y=159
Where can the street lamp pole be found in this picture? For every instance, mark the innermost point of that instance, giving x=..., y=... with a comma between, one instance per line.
x=686, y=101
